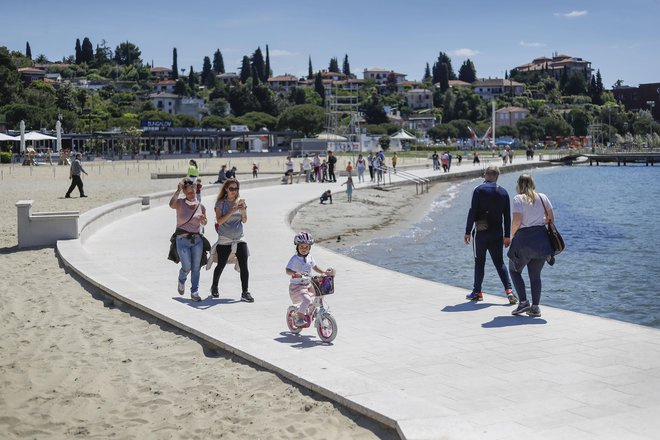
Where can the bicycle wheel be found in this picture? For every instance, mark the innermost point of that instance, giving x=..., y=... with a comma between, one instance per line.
x=291, y=320
x=326, y=326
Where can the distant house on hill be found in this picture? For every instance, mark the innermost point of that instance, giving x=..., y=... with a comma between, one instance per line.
x=510, y=116
x=419, y=99
x=489, y=89
x=165, y=86
x=456, y=84
x=178, y=105
x=380, y=75
x=638, y=98
x=283, y=83
x=30, y=74
x=229, y=78
x=161, y=73
x=556, y=66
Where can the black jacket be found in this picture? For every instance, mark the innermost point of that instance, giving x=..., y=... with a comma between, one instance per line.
x=485, y=198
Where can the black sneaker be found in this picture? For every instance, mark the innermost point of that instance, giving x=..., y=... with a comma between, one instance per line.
x=245, y=296
x=534, y=311
x=522, y=308
x=214, y=292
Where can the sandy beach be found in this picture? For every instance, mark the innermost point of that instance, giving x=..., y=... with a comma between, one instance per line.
x=74, y=365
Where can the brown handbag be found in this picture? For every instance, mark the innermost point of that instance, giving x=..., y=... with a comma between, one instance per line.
x=556, y=240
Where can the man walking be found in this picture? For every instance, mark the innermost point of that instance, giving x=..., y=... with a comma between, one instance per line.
x=489, y=210
x=74, y=175
x=332, y=160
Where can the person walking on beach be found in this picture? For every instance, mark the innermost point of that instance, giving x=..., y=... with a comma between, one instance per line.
x=307, y=167
x=316, y=164
x=230, y=215
x=361, y=166
x=475, y=160
x=436, y=161
x=490, y=202
x=370, y=162
x=394, y=159
x=332, y=160
x=190, y=217
x=530, y=246
x=74, y=175
x=350, y=186
x=255, y=171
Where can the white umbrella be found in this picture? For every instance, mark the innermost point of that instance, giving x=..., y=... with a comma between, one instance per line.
x=36, y=136
x=6, y=137
x=331, y=137
x=402, y=135
x=22, y=149
x=58, y=128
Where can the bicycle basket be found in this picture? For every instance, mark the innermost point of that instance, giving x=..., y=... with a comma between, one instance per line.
x=325, y=285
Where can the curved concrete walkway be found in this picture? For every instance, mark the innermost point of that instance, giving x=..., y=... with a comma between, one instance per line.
x=410, y=353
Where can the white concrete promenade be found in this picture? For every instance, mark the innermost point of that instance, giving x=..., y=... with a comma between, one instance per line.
x=410, y=353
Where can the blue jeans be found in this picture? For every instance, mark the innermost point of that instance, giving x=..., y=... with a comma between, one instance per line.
x=494, y=247
x=534, y=267
x=190, y=254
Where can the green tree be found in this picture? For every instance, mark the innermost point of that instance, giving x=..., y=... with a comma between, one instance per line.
x=214, y=121
x=218, y=107
x=246, y=70
x=218, y=62
x=258, y=120
x=10, y=83
x=65, y=98
x=443, y=58
x=259, y=65
x=310, y=72
x=40, y=94
x=507, y=131
x=555, y=126
x=443, y=75
x=28, y=51
x=346, y=68
x=384, y=143
x=175, y=65
x=242, y=100
x=87, y=51
x=442, y=132
x=467, y=72
x=127, y=54
x=427, y=74
x=208, y=76
x=41, y=59
x=334, y=65
x=192, y=81
x=268, y=71
x=180, y=87
x=186, y=121
x=576, y=85
x=266, y=99
x=308, y=120
x=297, y=96
x=579, y=120
x=530, y=129
x=78, y=51
x=373, y=110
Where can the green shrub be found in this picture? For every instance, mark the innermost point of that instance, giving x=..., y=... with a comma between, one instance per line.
x=5, y=157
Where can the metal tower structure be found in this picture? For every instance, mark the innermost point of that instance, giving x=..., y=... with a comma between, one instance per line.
x=342, y=118
x=595, y=133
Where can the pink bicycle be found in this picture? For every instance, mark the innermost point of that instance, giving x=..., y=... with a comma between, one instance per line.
x=318, y=312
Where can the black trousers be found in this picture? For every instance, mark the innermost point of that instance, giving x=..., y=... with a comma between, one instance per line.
x=76, y=181
x=242, y=257
x=331, y=172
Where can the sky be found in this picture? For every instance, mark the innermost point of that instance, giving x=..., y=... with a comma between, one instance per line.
x=620, y=39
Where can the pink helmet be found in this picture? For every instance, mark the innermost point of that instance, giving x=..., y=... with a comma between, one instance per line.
x=303, y=238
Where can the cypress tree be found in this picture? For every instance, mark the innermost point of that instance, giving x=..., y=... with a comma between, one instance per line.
x=334, y=65
x=192, y=81
x=87, y=51
x=268, y=71
x=78, y=51
x=175, y=66
x=246, y=69
x=310, y=72
x=427, y=74
x=599, y=82
x=259, y=65
x=346, y=68
x=206, y=70
x=218, y=62
x=318, y=87
x=28, y=51
x=467, y=72
x=444, y=77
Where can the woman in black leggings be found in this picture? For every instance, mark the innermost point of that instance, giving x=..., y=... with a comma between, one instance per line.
x=231, y=213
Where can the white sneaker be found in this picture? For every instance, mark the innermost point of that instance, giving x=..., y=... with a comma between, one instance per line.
x=195, y=296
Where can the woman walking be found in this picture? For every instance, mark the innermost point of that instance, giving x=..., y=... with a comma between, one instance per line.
x=190, y=217
x=530, y=245
x=230, y=214
x=361, y=166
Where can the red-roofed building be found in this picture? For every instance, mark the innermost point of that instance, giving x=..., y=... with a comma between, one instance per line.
x=161, y=73
x=510, y=116
x=556, y=66
x=30, y=74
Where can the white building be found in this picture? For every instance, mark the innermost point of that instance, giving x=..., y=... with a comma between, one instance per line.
x=380, y=75
x=489, y=89
x=419, y=99
x=510, y=116
x=178, y=105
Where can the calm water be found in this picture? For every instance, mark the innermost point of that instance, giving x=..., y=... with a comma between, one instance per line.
x=608, y=215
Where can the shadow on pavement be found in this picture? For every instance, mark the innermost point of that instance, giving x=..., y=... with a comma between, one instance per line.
x=508, y=321
x=299, y=340
x=471, y=306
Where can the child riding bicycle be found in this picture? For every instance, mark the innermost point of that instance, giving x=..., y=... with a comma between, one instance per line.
x=299, y=268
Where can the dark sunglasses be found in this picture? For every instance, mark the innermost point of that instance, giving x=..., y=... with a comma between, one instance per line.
x=233, y=188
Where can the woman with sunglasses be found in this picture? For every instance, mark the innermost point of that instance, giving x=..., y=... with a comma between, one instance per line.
x=190, y=217
x=230, y=214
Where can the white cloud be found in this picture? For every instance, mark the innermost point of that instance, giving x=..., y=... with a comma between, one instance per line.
x=464, y=52
x=281, y=53
x=572, y=14
x=532, y=44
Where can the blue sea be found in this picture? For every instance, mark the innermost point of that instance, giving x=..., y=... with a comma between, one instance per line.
x=609, y=217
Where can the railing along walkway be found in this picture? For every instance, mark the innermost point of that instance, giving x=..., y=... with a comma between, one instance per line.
x=421, y=183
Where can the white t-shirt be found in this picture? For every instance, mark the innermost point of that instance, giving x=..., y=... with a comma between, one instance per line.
x=532, y=215
x=300, y=264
